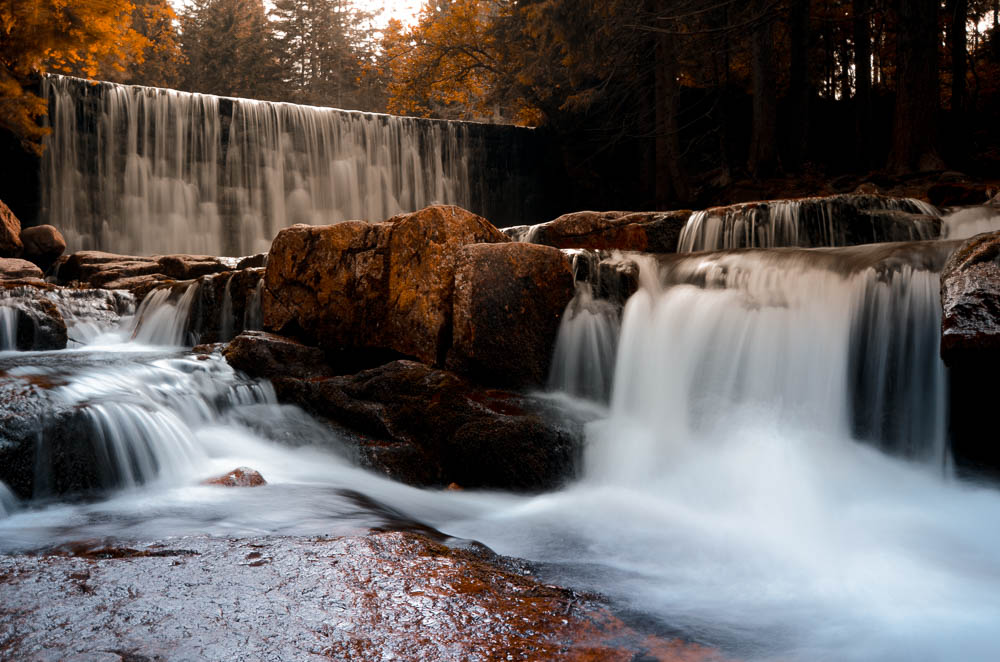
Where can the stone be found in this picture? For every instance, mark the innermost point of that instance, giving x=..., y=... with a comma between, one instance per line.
x=12, y=268
x=508, y=302
x=271, y=356
x=970, y=299
x=132, y=272
x=648, y=232
x=239, y=477
x=139, y=286
x=43, y=245
x=10, y=233
x=189, y=267
x=38, y=325
x=384, y=286
x=252, y=261
x=956, y=193
x=430, y=427
x=225, y=304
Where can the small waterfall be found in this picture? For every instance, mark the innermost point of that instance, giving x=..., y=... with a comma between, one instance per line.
x=140, y=170
x=163, y=315
x=8, y=328
x=226, y=320
x=836, y=221
x=8, y=501
x=969, y=222
x=253, y=317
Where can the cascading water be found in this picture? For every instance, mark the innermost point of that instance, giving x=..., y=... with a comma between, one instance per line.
x=8, y=501
x=162, y=317
x=725, y=496
x=834, y=221
x=139, y=170
x=965, y=223
x=8, y=328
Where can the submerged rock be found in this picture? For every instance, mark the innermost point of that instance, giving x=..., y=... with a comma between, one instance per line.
x=373, y=285
x=649, y=232
x=509, y=300
x=382, y=596
x=239, y=477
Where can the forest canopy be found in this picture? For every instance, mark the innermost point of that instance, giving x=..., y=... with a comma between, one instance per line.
x=685, y=94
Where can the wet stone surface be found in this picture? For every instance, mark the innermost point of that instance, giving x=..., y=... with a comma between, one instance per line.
x=387, y=596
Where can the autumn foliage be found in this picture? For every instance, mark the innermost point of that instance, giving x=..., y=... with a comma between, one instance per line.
x=82, y=36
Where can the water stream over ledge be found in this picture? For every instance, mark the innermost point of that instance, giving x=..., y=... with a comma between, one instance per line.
x=750, y=482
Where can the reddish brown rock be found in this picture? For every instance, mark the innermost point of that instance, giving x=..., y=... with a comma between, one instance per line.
x=651, y=232
x=139, y=286
x=431, y=427
x=43, y=245
x=239, y=477
x=111, y=271
x=375, y=285
x=12, y=268
x=188, y=267
x=509, y=299
x=381, y=596
x=10, y=233
x=271, y=356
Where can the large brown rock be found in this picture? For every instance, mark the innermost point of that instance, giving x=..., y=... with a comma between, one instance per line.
x=10, y=233
x=372, y=285
x=43, y=245
x=509, y=299
x=12, y=268
x=271, y=356
x=649, y=232
x=424, y=426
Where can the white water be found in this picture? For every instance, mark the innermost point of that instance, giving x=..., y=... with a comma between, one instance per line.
x=970, y=221
x=167, y=171
x=8, y=328
x=811, y=222
x=8, y=501
x=724, y=495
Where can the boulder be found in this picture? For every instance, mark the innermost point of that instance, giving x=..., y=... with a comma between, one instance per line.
x=272, y=356
x=956, y=193
x=10, y=233
x=225, y=304
x=31, y=321
x=12, y=268
x=970, y=346
x=649, y=232
x=252, y=261
x=970, y=299
x=239, y=477
x=430, y=427
x=135, y=273
x=43, y=245
x=188, y=267
x=384, y=286
x=508, y=301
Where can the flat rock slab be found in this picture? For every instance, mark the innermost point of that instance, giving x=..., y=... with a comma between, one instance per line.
x=388, y=596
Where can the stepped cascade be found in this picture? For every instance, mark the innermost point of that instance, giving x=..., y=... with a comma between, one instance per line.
x=141, y=170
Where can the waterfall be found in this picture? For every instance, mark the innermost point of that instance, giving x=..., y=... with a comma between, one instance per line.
x=140, y=170
x=8, y=328
x=8, y=501
x=835, y=221
x=163, y=315
x=226, y=315
x=253, y=316
x=965, y=223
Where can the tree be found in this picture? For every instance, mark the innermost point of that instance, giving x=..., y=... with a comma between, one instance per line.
x=230, y=49
x=161, y=62
x=763, y=161
x=62, y=36
x=914, y=133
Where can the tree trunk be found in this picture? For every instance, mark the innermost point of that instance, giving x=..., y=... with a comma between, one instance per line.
x=959, y=68
x=798, y=82
x=763, y=161
x=917, y=96
x=671, y=181
x=862, y=82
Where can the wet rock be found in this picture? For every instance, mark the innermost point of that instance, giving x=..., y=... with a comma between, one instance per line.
x=43, y=245
x=239, y=477
x=270, y=356
x=970, y=346
x=957, y=193
x=134, y=273
x=139, y=286
x=970, y=299
x=10, y=233
x=508, y=301
x=649, y=232
x=12, y=268
x=189, y=267
x=225, y=304
x=384, y=596
x=431, y=427
x=375, y=285
x=37, y=322
x=252, y=261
